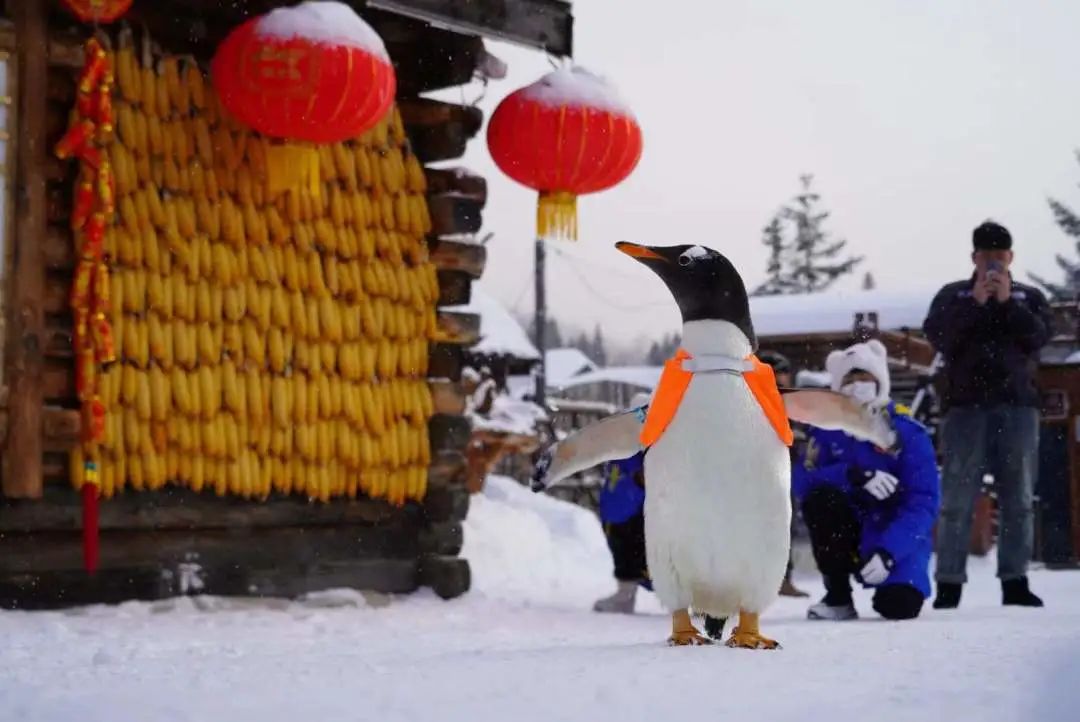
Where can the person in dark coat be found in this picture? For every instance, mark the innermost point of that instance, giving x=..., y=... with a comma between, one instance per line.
x=988, y=329
x=870, y=512
x=622, y=512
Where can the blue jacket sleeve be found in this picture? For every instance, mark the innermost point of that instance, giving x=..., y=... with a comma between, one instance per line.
x=816, y=468
x=919, y=495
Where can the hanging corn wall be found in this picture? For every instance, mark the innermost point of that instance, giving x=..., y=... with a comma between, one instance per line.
x=266, y=341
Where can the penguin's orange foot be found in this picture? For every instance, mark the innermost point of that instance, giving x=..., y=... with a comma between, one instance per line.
x=683, y=631
x=750, y=640
x=688, y=638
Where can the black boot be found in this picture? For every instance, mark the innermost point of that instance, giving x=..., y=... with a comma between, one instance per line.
x=948, y=595
x=1015, y=592
x=714, y=627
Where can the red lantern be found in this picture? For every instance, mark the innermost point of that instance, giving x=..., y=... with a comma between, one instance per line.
x=98, y=11
x=315, y=72
x=565, y=135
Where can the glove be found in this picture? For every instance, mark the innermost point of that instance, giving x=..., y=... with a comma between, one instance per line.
x=876, y=568
x=875, y=482
x=537, y=481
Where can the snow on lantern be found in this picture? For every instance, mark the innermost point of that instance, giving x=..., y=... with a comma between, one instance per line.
x=98, y=11
x=565, y=135
x=312, y=73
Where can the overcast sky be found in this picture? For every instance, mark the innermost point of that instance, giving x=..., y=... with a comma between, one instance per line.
x=919, y=119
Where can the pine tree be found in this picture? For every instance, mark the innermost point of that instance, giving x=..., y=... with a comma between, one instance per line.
x=811, y=260
x=773, y=239
x=868, y=282
x=1069, y=222
x=599, y=350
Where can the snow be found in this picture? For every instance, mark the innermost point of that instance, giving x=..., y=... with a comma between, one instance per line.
x=560, y=364
x=320, y=21
x=575, y=86
x=511, y=416
x=524, y=646
x=644, y=376
x=834, y=311
x=500, y=333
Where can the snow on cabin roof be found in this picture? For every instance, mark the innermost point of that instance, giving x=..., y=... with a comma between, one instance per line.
x=834, y=311
x=643, y=376
x=560, y=364
x=500, y=333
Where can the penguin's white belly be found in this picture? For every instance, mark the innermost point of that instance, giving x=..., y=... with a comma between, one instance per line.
x=718, y=509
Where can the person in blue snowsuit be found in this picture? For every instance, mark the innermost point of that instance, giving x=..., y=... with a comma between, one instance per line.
x=870, y=512
x=622, y=512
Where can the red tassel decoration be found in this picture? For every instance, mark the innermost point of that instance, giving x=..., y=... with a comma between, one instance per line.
x=90, y=518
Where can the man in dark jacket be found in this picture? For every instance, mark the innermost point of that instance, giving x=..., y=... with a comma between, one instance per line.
x=989, y=330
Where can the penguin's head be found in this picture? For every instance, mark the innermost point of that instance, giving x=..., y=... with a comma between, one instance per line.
x=704, y=282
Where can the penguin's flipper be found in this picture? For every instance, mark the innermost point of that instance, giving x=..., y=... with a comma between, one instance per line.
x=614, y=437
x=833, y=411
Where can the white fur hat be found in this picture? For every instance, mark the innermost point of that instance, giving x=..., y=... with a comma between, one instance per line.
x=870, y=357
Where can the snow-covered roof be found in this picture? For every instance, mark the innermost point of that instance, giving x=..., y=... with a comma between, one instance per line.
x=834, y=311
x=500, y=333
x=560, y=364
x=644, y=376
x=510, y=416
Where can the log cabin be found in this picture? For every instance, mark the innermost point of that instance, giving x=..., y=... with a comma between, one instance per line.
x=199, y=495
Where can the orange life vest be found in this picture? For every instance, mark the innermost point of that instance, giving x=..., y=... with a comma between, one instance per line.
x=675, y=380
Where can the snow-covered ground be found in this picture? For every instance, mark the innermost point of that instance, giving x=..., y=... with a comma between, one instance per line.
x=523, y=646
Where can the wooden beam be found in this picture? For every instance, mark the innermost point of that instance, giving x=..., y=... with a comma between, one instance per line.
x=449, y=577
x=457, y=180
x=439, y=131
x=57, y=292
x=448, y=397
x=448, y=433
x=174, y=508
x=443, y=538
x=426, y=58
x=60, y=430
x=455, y=288
x=462, y=329
x=469, y=258
x=447, y=470
x=543, y=24
x=453, y=214
x=58, y=248
x=22, y=477
x=446, y=503
x=445, y=361
x=58, y=381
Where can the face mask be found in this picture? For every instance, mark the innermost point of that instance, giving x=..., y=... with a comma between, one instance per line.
x=864, y=392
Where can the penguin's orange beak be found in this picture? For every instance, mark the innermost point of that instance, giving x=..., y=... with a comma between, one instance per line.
x=640, y=252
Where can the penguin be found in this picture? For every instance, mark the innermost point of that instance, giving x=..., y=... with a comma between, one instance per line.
x=716, y=434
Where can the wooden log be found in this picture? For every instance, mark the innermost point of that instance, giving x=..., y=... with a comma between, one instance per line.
x=468, y=258
x=453, y=214
x=58, y=343
x=60, y=428
x=57, y=293
x=428, y=58
x=266, y=547
x=446, y=503
x=457, y=180
x=448, y=433
x=453, y=327
x=445, y=361
x=442, y=538
x=449, y=577
x=74, y=587
x=174, y=508
x=447, y=470
x=58, y=381
x=58, y=248
x=448, y=396
x=455, y=288
x=22, y=477
x=439, y=131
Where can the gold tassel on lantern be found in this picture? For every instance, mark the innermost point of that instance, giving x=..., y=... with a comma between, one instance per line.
x=556, y=215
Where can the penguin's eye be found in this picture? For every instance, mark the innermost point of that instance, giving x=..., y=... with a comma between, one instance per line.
x=692, y=254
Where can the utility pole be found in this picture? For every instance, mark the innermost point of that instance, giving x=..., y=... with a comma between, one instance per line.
x=541, y=324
